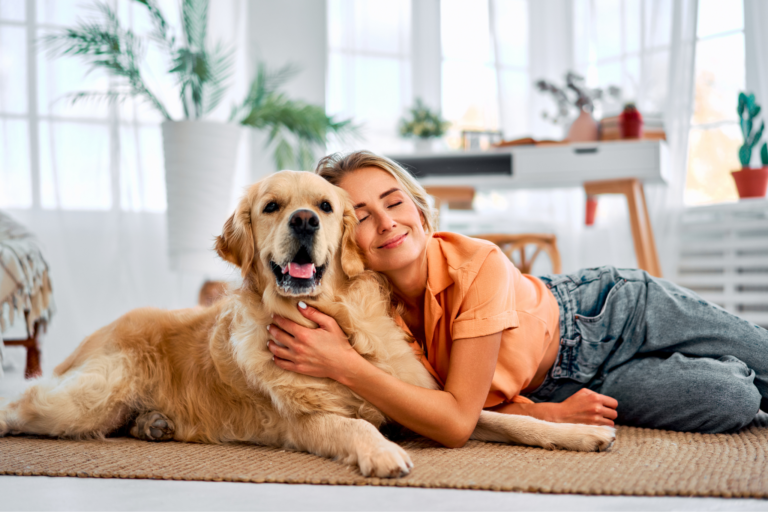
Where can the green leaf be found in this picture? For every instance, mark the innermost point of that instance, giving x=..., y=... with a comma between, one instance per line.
x=194, y=20
x=764, y=154
x=742, y=104
x=745, y=155
x=102, y=43
x=759, y=135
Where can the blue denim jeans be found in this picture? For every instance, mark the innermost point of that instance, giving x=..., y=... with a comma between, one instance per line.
x=671, y=359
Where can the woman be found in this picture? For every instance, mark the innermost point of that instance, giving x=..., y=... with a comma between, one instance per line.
x=594, y=347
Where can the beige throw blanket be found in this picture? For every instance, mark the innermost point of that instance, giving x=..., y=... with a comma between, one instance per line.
x=24, y=282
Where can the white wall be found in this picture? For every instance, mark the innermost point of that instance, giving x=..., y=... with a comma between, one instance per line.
x=287, y=32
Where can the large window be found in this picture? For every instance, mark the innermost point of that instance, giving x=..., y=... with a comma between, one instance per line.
x=715, y=135
x=485, y=80
x=55, y=155
x=369, y=67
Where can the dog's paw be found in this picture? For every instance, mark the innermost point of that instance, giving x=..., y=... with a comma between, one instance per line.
x=385, y=460
x=4, y=428
x=153, y=426
x=585, y=438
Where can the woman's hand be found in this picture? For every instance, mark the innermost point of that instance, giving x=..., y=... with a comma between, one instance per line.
x=586, y=406
x=321, y=352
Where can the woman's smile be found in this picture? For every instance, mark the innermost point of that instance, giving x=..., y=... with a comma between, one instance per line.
x=394, y=242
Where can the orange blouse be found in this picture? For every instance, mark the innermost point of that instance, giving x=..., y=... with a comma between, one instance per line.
x=474, y=290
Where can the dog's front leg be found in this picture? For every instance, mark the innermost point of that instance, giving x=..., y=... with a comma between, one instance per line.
x=512, y=428
x=350, y=441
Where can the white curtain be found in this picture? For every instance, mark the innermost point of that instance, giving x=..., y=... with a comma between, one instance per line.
x=666, y=202
x=756, y=40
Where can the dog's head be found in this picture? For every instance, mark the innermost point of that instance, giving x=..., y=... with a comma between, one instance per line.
x=291, y=231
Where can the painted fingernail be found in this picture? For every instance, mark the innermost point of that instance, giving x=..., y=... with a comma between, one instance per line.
x=267, y=343
x=302, y=305
x=267, y=328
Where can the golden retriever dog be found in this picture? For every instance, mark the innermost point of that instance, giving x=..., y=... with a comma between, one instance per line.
x=205, y=375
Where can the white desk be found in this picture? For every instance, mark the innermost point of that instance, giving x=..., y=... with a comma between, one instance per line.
x=615, y=167
x=546, y=166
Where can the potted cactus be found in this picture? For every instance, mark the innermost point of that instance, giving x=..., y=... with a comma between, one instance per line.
x=750, y=182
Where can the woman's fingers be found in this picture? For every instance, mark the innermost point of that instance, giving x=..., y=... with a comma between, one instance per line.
x=609, y=402
x=324, y=321
x=280, y=352
x=610, y=413
x=280, y=336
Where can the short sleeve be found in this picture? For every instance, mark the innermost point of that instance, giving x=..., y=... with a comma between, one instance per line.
x=488, y=305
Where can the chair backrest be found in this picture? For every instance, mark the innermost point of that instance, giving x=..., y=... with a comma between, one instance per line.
x=514, y=246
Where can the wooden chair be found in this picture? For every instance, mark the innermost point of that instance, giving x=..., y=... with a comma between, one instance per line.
x=514, y=246
x=32, y=345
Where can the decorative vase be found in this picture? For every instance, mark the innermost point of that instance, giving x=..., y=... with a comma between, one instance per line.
x=751, y=182
x=200, y=158
x=631, y=122
x=583, y=129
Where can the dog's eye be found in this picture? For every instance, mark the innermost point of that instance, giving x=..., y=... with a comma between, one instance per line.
x=326, y=207
x=271, y=207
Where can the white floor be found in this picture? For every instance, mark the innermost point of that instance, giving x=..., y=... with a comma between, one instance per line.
x=44, y=493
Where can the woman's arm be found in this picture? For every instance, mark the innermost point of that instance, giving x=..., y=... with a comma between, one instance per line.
x=448, y=416
x=584, y=406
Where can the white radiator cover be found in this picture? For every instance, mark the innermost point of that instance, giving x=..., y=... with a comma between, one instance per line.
x=724, y=256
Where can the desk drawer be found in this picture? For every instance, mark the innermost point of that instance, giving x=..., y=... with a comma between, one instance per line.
x=588, y=161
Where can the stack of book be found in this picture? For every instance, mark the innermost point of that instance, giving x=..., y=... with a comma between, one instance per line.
x=653, y=128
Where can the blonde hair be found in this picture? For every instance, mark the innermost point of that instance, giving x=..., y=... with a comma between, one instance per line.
x=334, y=167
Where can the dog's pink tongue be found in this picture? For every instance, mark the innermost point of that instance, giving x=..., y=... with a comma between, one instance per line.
x=304, y=271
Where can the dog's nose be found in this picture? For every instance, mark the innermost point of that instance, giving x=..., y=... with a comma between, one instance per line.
x=304, y=222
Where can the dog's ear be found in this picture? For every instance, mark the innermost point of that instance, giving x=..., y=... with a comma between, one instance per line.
x=351, y=259
x=235, y=244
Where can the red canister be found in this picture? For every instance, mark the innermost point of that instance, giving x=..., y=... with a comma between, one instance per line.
x=631, y=122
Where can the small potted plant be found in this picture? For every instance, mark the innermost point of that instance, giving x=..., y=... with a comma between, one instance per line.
x=424, y=125
x=750, y=182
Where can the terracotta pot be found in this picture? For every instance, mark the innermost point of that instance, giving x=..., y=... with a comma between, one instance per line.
x=751, y=182
x=583, y=129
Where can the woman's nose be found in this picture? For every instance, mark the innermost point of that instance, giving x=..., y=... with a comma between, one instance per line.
x=385, y=222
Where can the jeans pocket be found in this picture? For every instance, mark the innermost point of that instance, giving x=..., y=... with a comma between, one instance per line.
x=605, y=309
x=599, y=334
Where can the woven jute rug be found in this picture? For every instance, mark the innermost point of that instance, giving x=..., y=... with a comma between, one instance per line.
x=642, y=462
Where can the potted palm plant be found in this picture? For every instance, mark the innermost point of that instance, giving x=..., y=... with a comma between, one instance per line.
x=750, y=182
x=200, y=155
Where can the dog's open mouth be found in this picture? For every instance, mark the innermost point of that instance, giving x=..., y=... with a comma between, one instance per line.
x=300, y=276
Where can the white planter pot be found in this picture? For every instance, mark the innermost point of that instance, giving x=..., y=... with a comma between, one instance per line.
x=200, y=158
x=423, y=145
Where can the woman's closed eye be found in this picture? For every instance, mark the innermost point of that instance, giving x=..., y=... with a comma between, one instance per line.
x=395, y=204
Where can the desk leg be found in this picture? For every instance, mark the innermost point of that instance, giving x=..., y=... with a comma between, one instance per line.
x=642, y=233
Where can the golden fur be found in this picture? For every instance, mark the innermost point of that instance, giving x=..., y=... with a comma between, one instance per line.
x=208, y=370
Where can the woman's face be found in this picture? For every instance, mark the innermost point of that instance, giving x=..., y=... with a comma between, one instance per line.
x=391, y=228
